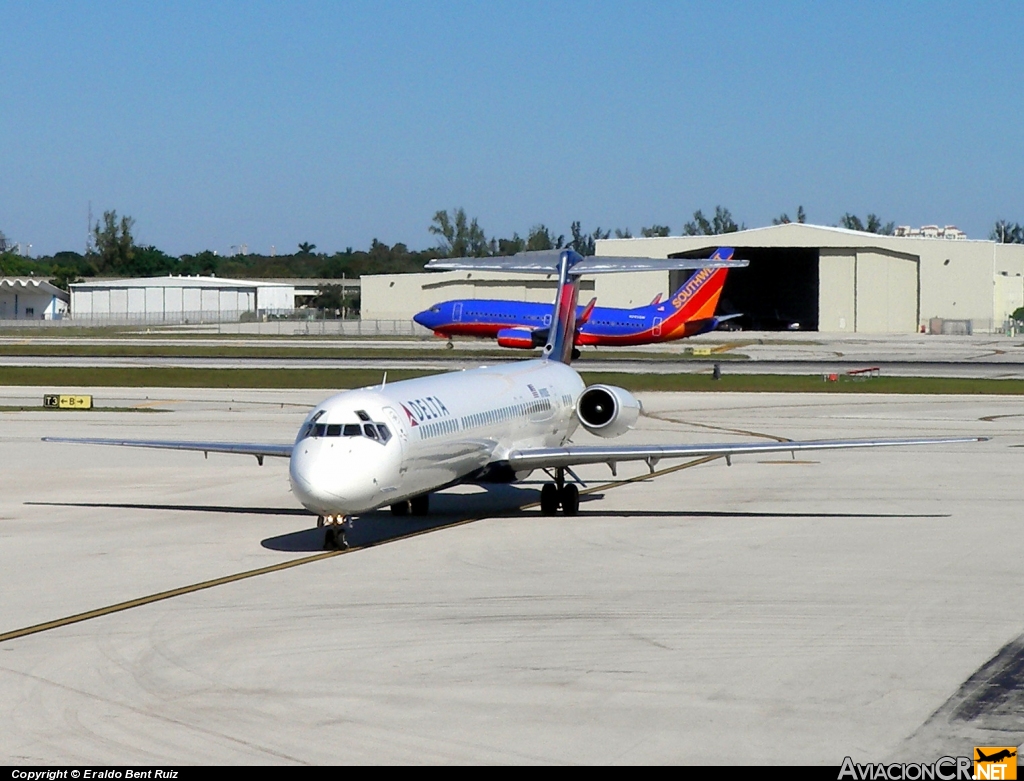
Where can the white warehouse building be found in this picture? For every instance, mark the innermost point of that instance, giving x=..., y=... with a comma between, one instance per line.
x=177, y=299
x=28, y=298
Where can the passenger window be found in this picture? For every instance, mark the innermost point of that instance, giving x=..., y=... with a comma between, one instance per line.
x=353, y=430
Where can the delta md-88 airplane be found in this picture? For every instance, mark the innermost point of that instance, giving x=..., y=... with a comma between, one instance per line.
x=396, y=444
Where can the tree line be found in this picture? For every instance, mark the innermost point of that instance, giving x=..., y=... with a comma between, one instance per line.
x=114, y=251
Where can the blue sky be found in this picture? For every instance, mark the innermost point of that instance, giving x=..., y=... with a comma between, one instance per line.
x=335, y=123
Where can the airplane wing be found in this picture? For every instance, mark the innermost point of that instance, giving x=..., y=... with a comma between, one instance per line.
x=575, y=455
x=238, y=448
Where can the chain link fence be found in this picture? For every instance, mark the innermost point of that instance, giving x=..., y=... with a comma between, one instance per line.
x=298, y=322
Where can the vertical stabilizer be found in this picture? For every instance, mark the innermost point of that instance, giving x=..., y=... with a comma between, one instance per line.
x=563, y=322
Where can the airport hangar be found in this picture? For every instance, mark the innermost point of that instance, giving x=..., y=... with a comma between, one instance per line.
x=179, y=299
x=825, y=279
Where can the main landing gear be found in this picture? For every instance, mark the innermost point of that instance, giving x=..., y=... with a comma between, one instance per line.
x=418, y=505
x=336, y=527
x=559, y=493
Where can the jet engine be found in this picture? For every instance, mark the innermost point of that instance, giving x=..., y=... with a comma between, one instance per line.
x=607, y=411
x=521, y=338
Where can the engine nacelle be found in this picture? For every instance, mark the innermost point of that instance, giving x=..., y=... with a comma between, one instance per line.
x=521, y=338
x=607, y=411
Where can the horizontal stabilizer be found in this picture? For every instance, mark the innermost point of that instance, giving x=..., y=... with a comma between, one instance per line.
x=607, y=264
x=546, y=262
x=539, y=262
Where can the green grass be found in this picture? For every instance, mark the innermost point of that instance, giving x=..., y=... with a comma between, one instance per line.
x=233, y=351
x=58, y=377
x=286, y=351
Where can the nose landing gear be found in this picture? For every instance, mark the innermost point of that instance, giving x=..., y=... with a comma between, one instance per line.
x=336, y=528
x=559, y=493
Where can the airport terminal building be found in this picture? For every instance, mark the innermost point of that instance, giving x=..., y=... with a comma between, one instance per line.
x=811, y=277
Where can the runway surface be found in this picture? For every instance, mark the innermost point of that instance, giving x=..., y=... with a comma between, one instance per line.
x=863, y=603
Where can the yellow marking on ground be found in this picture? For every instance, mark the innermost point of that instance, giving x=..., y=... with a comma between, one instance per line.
x=159, y=402
x=191, y=589
x=724, y=348
x=744, y=432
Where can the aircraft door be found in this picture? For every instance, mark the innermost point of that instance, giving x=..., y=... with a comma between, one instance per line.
x=402, y=434
x=457, y=312
x=657, y=326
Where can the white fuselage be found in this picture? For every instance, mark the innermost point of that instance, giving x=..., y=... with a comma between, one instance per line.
x=367, y=448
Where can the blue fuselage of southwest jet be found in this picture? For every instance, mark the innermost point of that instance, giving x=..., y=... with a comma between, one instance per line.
x=690, y=311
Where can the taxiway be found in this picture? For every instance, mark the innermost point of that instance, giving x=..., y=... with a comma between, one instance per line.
x=864, y=603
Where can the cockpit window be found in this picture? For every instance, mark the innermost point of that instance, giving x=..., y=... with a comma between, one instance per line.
x=375, y=431
x=371, y=429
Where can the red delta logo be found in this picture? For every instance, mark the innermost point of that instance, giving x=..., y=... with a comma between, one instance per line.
x=427, y=408
x=412, y=420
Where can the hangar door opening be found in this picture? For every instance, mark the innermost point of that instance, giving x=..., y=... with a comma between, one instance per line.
x=778, y=291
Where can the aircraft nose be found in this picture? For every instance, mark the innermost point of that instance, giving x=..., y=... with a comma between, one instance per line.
x=425, y=318
x=337, y=478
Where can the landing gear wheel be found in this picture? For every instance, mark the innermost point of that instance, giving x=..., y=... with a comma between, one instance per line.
x=420, y=505
x=319, y=522
x=575, y=353
x=401, y=508
x=549, y=499
x=570, y=499
x=449, y=346
x=334, y=539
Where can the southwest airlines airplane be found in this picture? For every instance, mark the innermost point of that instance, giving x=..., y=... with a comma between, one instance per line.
x=396, y=444
x=524, y=325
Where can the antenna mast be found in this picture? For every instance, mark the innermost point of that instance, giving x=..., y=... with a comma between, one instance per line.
x=88, y=231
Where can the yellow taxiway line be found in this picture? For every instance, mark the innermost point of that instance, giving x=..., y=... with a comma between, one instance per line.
x=252, y=573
